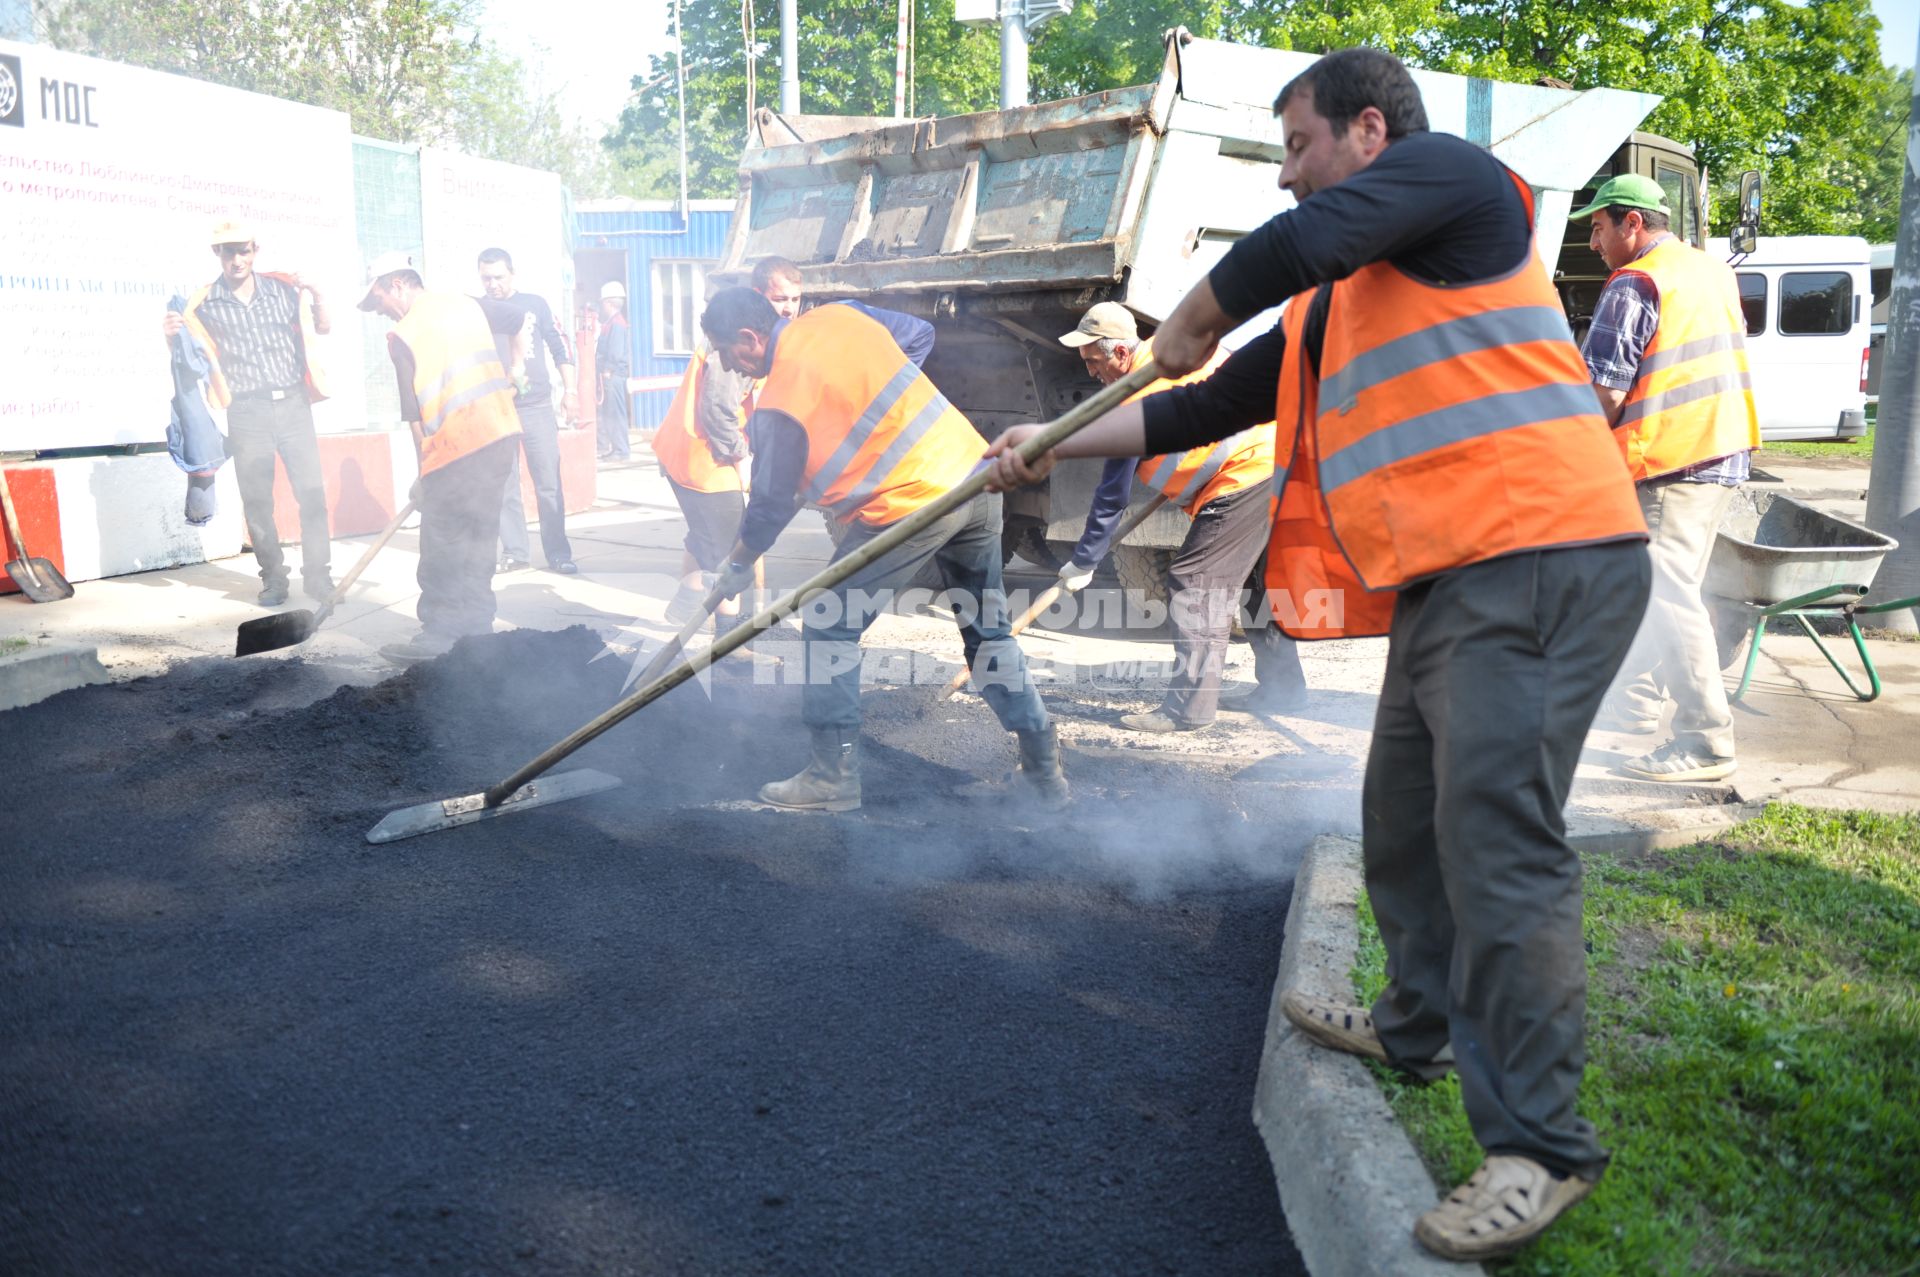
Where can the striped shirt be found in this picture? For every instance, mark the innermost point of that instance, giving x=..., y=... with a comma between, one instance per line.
x=258, y=349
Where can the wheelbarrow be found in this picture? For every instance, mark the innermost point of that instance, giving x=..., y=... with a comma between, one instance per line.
x=1778, y=557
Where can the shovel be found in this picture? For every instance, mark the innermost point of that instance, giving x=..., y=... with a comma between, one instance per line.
x=521, y=791
x=38, y=579
x=1053, y=592
x=286, y=629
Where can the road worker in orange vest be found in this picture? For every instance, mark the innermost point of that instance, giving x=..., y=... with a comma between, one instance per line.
x=1452, y=483
x=1227, y=489
x=1668, y=354
x=451, y=353
x=845, y=420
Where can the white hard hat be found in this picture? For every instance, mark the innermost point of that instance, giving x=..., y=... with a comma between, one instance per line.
x=382, y=266
x=613, y=288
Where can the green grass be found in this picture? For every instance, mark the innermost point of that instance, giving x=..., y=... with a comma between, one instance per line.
x=8, y=646
x=1861, y=447
x=1753, y=1057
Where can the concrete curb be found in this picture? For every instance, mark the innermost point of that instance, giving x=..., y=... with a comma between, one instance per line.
x=39, y=672
x=1646, y=831
x=1350, y=1182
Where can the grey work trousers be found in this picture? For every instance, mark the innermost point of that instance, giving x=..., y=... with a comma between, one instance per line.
x=1205, y=582
x=1674, y=656
x=966, y=546
x=540, y=440
x=1494, y=673
x=258, y=429
x=459, y=518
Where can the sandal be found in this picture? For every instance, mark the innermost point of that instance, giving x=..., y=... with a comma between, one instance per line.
x=1334, y=1024
x=1504, y=1205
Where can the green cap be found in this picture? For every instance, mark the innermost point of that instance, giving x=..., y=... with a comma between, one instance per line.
x=1629, y=190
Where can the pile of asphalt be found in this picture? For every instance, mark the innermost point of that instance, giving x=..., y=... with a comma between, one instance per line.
x=646, y=1031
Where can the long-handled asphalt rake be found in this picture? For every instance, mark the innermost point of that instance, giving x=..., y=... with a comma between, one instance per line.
x=521, y=791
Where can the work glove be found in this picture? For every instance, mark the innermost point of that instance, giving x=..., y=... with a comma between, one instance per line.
x=735, y=578
x=1074, y=578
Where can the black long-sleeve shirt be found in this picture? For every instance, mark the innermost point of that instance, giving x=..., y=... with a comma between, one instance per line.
x=1434, y=205
x=780, y=443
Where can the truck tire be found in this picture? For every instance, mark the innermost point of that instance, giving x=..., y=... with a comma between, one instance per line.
x=1143, y=568
x=1028, y=539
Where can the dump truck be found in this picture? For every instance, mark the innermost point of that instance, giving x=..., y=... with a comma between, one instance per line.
x=1002, y=227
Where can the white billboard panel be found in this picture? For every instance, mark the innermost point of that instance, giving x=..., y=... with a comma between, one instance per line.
x=111, y=180
x=469, y=204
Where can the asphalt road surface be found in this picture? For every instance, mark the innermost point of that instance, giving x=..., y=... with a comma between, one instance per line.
x=651, y=1031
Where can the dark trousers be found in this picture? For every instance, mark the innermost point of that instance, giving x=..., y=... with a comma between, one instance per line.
x=459, y=518
x=1276, y=658
x=713, y=523
x=540, y=439
x=257, y=431
x=1204, y=583
x=1494, y=673
x=615, y=416
x=966, y=546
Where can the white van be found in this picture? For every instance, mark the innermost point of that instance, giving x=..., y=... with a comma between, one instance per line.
x=1807, y=300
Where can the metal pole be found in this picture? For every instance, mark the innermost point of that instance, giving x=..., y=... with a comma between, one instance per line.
x=1893, y=489
x=789, y=58
x=1013, y=53
x=900, y=62
x=680, y=76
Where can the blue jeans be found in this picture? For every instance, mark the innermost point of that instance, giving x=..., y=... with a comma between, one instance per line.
x=966, y=546
x=540, y=438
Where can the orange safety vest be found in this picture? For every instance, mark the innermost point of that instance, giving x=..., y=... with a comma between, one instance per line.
x=305, y=338
x=1193, y=478
x=1692, y=398
x=465, y=397
x=881, y=440
x=1447, y=426
x=681, y=445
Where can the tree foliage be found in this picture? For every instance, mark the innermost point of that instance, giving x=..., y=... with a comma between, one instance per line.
x=1795, y=88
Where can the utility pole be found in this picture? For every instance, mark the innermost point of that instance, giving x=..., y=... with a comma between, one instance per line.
x=680, y=78
x=1016, y=20
x=789, y=59
x=900, y=38
x=1893, y=489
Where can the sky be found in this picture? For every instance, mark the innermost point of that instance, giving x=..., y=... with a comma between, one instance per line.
x=590, y=49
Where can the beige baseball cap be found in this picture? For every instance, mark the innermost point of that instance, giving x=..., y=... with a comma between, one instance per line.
x=231, y=230
x=1107, y=319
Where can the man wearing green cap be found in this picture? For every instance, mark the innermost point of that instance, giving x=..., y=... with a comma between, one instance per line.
x=1667, y=353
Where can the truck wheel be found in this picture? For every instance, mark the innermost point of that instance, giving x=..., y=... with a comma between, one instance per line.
x=1143, y=568
x=1028, y=539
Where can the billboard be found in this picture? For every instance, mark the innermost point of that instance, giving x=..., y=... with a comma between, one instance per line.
x=111, y=179
x=469, y=204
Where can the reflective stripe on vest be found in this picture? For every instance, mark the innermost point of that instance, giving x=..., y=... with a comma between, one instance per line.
x=1465, y=427
x=465, y=397
x=1692, y=396
x=881, y=440
x=1195, y=478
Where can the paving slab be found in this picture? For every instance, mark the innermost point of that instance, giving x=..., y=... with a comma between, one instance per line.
x=35, y=672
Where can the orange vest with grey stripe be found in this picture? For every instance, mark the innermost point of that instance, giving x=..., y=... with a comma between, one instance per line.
x=881, y=440
x=466, y=401
x=680, y=445
x=1193, y=478
x=1692, y=398
x=1447, y=425
x=305, y=338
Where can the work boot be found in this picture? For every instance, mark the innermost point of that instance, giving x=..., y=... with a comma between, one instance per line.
x=1040, y=766
x=318, y=588
x=831, y=782
x=273, y=593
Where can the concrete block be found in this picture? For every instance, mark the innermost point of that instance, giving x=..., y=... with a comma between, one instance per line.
x=1350, y=1181
x=39, y=672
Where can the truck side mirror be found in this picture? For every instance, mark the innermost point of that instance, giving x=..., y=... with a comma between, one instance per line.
x=1746, y=232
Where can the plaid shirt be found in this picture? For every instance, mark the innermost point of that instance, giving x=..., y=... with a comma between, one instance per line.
x=257, y=350
x=1624, y=320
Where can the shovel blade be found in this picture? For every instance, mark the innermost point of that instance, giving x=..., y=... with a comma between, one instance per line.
x=426, y=818
x=270, y=633
x=39, y=580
